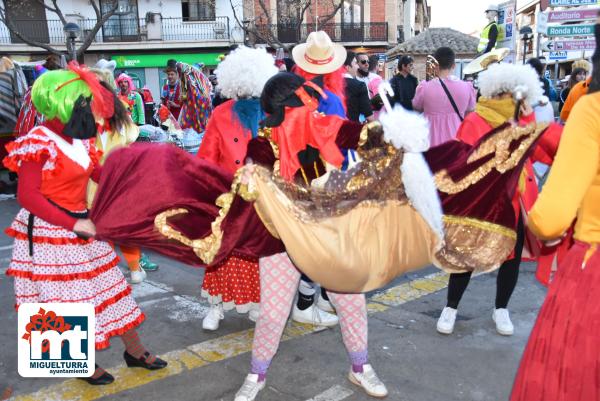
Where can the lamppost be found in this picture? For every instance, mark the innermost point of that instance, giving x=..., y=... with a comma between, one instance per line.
x=526, y=34
x=245, y=25
x=72, y=32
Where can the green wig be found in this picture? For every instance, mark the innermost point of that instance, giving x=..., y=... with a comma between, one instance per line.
x=54, y=94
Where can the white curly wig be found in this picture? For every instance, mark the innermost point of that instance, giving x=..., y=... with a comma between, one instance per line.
x=244, y=72
x=516, y=79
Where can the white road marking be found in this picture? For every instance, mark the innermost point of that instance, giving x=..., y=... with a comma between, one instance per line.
x=6, y=247
x=335, y=393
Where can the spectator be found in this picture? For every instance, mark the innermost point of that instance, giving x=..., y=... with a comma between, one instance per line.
x=357, y=97
x=446, y=100
x=364, y=72
x=540, y=68
x=171, y=92
x=375, y=79
x=404, y=83
x=577, y=75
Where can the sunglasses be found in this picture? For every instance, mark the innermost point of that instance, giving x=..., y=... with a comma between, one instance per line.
x=363, y=61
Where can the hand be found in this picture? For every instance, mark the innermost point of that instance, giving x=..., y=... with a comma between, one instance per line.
x=85, y=227
x=247, y=172
x=525, y=109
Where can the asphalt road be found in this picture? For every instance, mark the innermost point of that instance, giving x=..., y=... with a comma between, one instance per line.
x=415, y=362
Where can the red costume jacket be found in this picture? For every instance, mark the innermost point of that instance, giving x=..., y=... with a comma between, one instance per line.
x=474, y=127
x=225, y=140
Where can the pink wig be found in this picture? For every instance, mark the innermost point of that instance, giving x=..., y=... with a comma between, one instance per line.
x=125, y=77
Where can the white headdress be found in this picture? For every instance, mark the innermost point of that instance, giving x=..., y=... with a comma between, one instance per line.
x=244, y=72
x=511, y=78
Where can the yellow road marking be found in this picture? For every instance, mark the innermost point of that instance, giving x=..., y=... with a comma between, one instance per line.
x=218, y=349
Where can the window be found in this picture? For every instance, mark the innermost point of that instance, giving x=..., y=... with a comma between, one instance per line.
x=123, y=25
x=198, y=10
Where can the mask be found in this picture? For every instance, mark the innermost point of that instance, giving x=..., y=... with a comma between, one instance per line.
x=82, y=124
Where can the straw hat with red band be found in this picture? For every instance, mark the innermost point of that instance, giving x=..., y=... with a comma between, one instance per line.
x=319, y=55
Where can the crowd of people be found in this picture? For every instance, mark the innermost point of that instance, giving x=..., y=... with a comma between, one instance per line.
x=295, y=153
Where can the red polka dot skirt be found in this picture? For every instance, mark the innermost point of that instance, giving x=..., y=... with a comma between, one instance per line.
x=65, y=268
x=235, y=282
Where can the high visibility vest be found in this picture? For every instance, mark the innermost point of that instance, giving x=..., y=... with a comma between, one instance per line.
x=485, y=37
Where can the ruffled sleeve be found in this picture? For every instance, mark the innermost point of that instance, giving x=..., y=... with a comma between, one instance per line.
x=93, y=152
x=33, y=147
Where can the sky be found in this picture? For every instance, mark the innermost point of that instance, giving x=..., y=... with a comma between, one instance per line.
x=463, y=15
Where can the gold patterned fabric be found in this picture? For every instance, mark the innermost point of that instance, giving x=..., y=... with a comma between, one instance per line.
x=358, y=251
x=474, y=245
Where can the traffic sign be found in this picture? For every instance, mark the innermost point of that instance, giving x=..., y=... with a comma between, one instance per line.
x=575, y=14
x=558, y=55
x=569, y=45
x=571, y=30
x=559, y=3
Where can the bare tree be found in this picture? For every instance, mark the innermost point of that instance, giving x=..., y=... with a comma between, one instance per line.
x=264, y=30
x=87, y=39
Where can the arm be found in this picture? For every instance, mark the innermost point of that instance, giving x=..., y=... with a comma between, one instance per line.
x=210, y=148
x=419, y=99
x=30, y=196
x=573, y=171
x=493, y=37
x=364, y=105
x=139, y=110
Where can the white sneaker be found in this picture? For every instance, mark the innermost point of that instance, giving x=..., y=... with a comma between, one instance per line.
x=445, y=324
x=325, y=305
x=369, y=381
x=315, y=316
x=137, y=276
x=250, y=388
x=503, y=324
x=253, y=315
x=213, y=317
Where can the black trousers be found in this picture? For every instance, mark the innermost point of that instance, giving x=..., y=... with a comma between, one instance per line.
x=508, y=274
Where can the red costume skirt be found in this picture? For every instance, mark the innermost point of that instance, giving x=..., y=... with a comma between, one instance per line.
x=234, y=282
x=562, y=358
x=65, y=268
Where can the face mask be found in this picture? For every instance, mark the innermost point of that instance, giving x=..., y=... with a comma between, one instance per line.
x=82, y=124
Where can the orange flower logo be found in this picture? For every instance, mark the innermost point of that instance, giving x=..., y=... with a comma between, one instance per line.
x=44, y=321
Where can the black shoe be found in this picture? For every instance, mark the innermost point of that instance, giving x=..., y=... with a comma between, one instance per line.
x=106, y=378
x=133, y=362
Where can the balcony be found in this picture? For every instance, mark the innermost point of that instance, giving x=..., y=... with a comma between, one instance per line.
x=367, y=32
x=124, y=30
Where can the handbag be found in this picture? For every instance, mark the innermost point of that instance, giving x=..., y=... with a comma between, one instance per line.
x=452, y=102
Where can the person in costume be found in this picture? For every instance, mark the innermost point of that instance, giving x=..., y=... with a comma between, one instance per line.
x=498, y=86
x=114, y=133
x=235, y=283
x=577, y=91
x=131, y=98
x=560, y=362
x=321, y=61
x=196, y=104
x=491, y=33
x=171, y=91
x=55, y=257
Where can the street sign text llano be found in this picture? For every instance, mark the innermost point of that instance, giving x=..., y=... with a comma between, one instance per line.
x=570, y=45
x=571, y=30
x=558, y=3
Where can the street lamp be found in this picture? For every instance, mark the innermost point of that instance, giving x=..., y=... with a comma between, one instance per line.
x=72, y=32
x=526, y=34
x=245, y=25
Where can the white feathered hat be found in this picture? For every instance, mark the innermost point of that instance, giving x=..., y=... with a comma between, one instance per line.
x=244, y=72
x=511, y=78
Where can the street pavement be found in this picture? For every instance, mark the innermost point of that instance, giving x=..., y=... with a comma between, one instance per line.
x=415, y=362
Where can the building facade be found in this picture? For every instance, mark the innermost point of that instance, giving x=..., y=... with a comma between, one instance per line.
x=141, y=36
x=366, y=25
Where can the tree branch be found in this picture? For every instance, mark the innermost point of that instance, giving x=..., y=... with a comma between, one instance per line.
x=13, y=29
x=97, y=9
x=327, y=18
x=87, y=41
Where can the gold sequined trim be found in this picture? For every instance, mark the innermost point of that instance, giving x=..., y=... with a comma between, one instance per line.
x=503, y=160
x=472, y=245
x=364, y=132
x=207, y=248
x=484, y=225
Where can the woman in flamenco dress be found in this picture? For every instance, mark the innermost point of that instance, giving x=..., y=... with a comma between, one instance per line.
x=55, y=257
x=560, y=362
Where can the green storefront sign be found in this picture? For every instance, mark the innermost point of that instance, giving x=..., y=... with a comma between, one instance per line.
x=160, y=60
x=571, y=30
